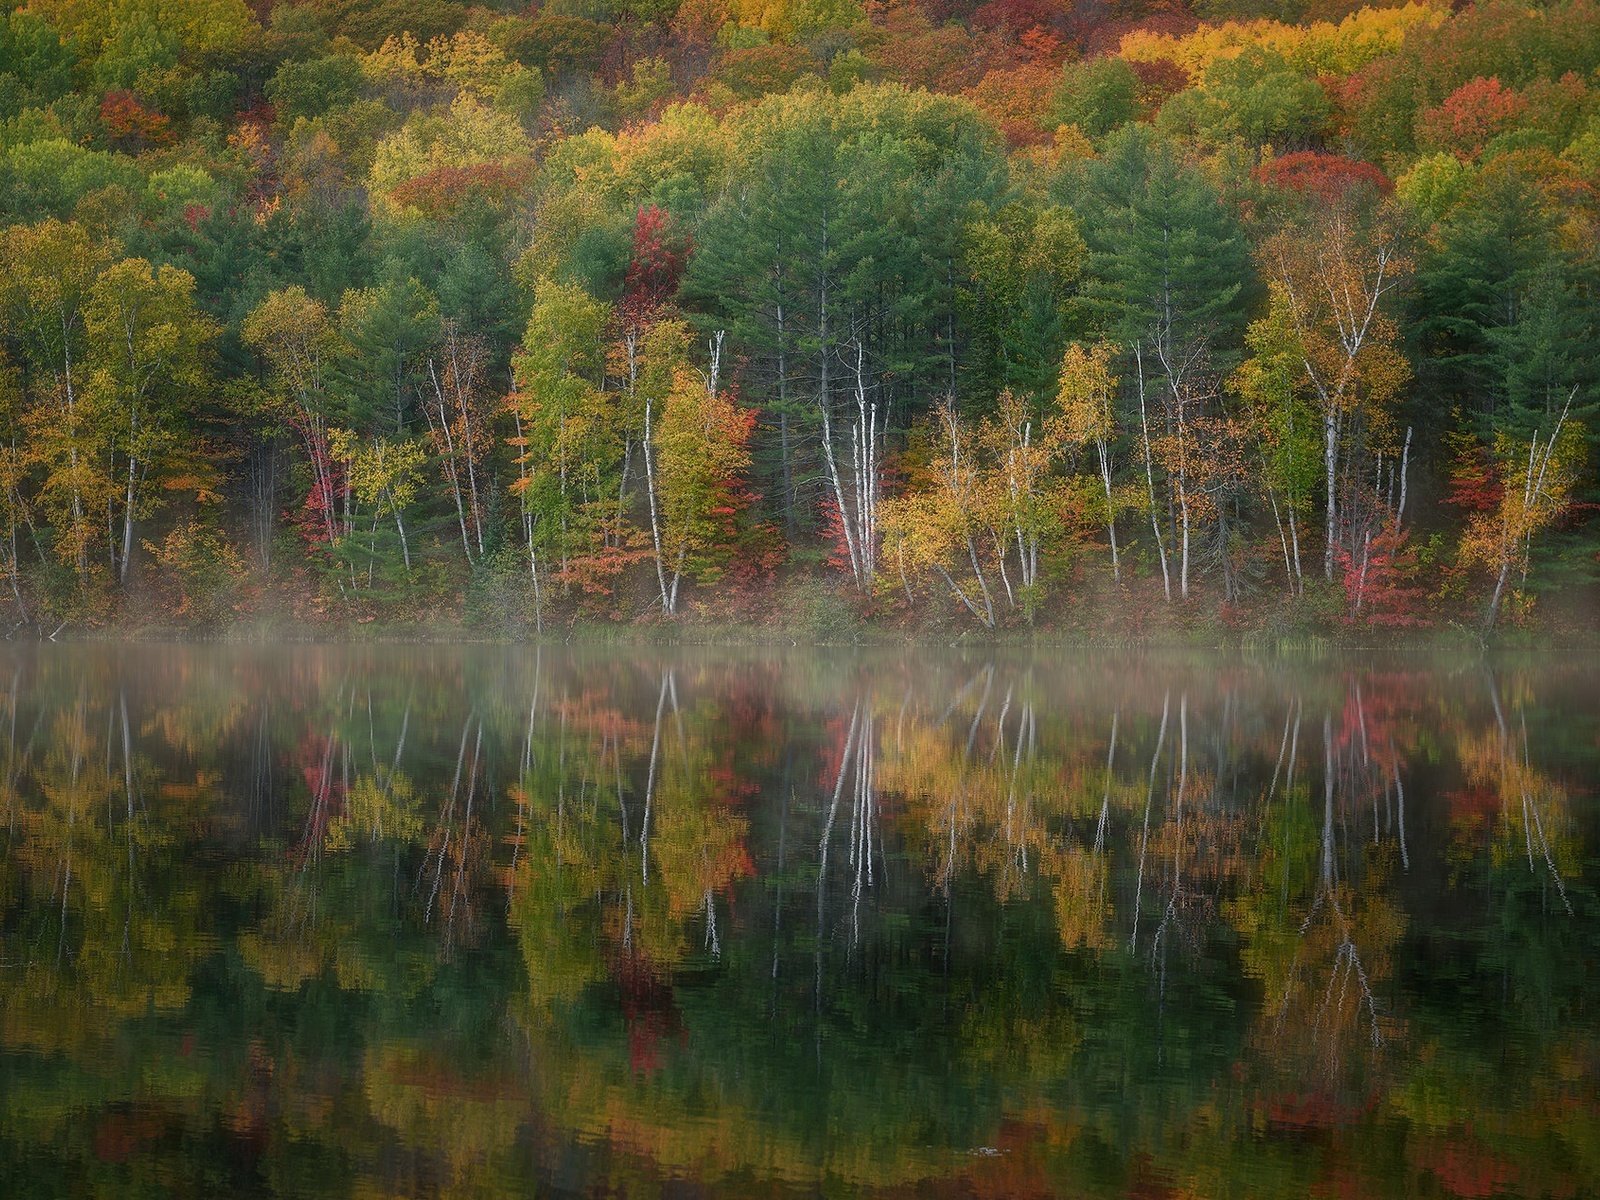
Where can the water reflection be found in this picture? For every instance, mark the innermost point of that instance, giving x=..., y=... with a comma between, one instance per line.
x=441, y=921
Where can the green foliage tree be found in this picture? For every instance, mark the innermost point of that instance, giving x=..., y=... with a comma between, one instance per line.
x=149, y=369
x=567, y=439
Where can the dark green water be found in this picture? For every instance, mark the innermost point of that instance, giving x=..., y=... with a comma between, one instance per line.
x=462, y=922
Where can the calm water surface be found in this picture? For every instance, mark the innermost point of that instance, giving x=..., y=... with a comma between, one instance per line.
x=463, y=922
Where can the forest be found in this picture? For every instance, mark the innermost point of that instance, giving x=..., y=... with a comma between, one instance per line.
x=1067, y=315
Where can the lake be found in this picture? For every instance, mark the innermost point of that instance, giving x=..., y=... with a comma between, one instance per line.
x=441, y=921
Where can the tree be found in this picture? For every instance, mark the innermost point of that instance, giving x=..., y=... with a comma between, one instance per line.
x=1097, y=95
x=819, y=264
x=460, y=417
x=1255, y=97
x=39, y=65
x=1024, y=445
x=1167, y=277
x=567, y=435
x=1500, y=307
x=49, y=274
x=295, y=336
x=384, y=473
x=1469, y=118
x=311, y=87
x=130, y=126
x=1085, y=399
x=703, y=453
x=1538, y=481
x=558, y=45
x=1020, y=265
x=1273, y=386
x=149, y=350
x=1381, y=587
x=1333, y=275
x=653, y=353
x=386, y=333
x=942, y=528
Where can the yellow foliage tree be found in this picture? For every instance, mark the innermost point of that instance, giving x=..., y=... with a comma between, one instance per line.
x=384, y=473
x=1084, y=397
x=1320, y=47
x=1538, y=481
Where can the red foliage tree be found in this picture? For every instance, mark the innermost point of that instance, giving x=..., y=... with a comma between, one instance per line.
x=129, y=125
x=315, y=756
x=1469, y=117
x=1019, y=16
x=1159, y=81
x=917, y=52
x=1100, y=30
x=1464, y=1166
x=317, y=517
x=1329, y=178
x=1380, y=583
x=446, y=190
x=656, y=265
x=1475, y=485
x=649, y=1009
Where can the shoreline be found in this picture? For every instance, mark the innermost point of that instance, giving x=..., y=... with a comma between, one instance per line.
x=1452, y=639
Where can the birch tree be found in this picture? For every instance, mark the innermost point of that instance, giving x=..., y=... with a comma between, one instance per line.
x=459, y=417
x=1024, y=446
x=568, y=440
x=149, y=348
x=1085, y=400
x=295, y=336
x=1168, y=268
x=701, y=453
x=1331, y=278
x=49, y=273
x=940, y=529
x=1538, y=481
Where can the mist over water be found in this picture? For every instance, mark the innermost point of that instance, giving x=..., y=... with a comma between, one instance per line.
x=323, y=921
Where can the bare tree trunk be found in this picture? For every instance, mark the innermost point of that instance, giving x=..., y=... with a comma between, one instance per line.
x=1330, y=462
x=528, y=531
x=1532, y=490
x=1499, y=590
x=832, y=464
x=127, y=518
x=443, y=431
x=1150, y=479
x=655, y=519
x=985, y=614
x=1111, y=512
x=865, y=440
x=1183, y=510
x=1361, y=579
x=1405, y=463
x=983, y=585
x=263, y=481
x=1005, y=578
x=650, y=783
x=785, y=450
x=70, y=391
x=405, y=542
x=1288, y=567
x=1294, y=542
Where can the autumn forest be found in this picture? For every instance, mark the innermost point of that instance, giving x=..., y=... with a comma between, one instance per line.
x=1146, y=316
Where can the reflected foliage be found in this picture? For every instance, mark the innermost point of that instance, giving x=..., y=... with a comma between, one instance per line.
x=360, y=922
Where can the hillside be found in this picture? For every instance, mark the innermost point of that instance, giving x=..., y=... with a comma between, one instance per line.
x=1082, y=316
